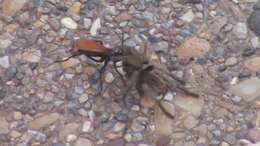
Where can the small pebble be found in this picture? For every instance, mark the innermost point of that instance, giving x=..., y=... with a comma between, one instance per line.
x=4, y=62
x=255, y=42
x=83, y=142
x=244, y=73
x=231, y=61
x=122, y=117
x=15, y=134
x=17, y=115
x=188, y=16
x=109, y=77
x=11, y=72
x=240, y=30
x=87, y=126
x=69, y=23
x=71, y=138
x=87, y=23
x=160, y=46
x=222, y=68
x=236, y=99
x=224, y=144
x=169, y=96
x=5, y=43
x=96, y=25
x=201, y=61
x=83, y=98
x=254, y=21
x=54, y=23
x=119, y=126
x=248, y=52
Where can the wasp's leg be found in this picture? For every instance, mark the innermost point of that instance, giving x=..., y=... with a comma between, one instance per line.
x=101, y=71
x=66, y=59
x=120, y=75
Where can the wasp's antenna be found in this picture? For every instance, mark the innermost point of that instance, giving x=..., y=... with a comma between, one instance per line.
x=66, y=59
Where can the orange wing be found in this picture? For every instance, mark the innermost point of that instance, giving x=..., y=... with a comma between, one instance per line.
x=90, y=46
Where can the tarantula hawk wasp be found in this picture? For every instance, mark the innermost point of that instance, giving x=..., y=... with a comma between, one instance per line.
x=95, y=48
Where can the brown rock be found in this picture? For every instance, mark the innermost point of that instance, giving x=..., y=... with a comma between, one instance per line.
x=70, y=63
x=18, y=115
x=163, y=124
x=83, y=142
x=44, y=121
x=113, y=135
x=11, y=28
x=123, y=17
x=254, y=134
x=68, y=129
x=257, y=122
x=193, y=47
x=231, y=61
x=1, y=25
x=253, y=63
x=74, y=9
x=116, y=142
x=15, y=134
x=189, y=104
x=3, y=126
x=248, y=89
x=11, y=7
x=163, y=140
x=32, y=55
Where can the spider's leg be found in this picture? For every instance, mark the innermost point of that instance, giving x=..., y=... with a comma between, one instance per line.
x=120, y=75
x=188, y=92
x=128, y=89
x=177, y=79
x=133, y=81
x=164, y=110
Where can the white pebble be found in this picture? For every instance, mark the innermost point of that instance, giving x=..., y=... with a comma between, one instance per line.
x=69, y=23
x=109, y=78
x=87, y=23
x=188, y=16
x=87, y=126
x=4, y=43
x=4, y=62
x=169, y=96
x=95, y=27
x=71, y=137
x=255, y=42
x=234, y=81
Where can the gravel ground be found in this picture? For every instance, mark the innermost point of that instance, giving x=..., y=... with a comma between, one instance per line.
x=211, y=44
